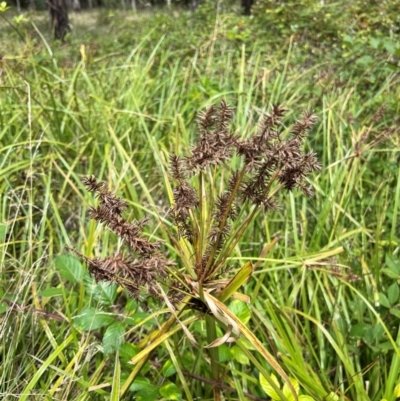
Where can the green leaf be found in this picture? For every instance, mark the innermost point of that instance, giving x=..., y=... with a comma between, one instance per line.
x=170, y=391
x=127, y=351
x=51, y=292
x=395, y=312
x=168, y=368
x=92, y=319
x=138, y=317
x=393, y=293
x=105, y=293
x=3, y=307
x=116, y=380
x=390, y=273
x=241, y=310
x=305, y=398
x=3, y=232
x=145, y=390
x=139, y=384
x=359, y=330
x=332, y=397
x=287, y=392
x=348, y=41
x=394, y=266
x=131, y=305
x=69, y=268
x=268, y=388
x=387, y=345
x=397, y=391
x=113, y=337
x=224, y=353
x=383, y=300
x=239, y=355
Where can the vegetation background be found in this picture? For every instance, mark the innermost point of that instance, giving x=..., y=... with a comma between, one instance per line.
x=117, y=97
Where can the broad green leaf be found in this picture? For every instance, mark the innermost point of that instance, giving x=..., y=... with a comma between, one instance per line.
x=105, y=293
x=395, y=312
x=306, y=398
x=383, y=300
x=224, y=353
x=131, y=305
x=393, y=293
x=359, y=329
x=127, y=351
x=92, y=319
x=287, y=392
x=393, y=265
x=170, y=391
x=241, y=310
x=390, y=273
x=139, y=384
x=113, y=337
x=268, y=388
x=239, y=355
x=3, y=307
x=168, y=369
x=145, y=391
x=70, y=268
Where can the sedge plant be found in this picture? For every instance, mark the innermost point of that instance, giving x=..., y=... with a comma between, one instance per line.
x=221, y=186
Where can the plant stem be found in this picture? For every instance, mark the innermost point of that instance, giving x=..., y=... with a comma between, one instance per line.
x=214, y=355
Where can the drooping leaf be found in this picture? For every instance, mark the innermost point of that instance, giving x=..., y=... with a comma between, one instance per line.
x=92, y=319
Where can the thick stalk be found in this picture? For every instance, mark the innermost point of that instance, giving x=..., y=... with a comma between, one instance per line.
x=214, y=355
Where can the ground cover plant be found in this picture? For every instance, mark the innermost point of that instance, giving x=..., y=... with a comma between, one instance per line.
x=324, y=299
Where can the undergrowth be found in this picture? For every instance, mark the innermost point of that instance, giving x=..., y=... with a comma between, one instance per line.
x=324, y=299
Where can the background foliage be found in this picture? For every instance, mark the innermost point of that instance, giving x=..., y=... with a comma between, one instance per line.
x=119, y=96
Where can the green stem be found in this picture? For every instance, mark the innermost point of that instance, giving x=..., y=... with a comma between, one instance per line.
x=214, y=355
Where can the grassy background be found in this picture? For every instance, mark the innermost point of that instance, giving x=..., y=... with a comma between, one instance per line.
x=118, y=97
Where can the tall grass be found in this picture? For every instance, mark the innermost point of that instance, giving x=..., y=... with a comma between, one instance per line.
x=324, y=299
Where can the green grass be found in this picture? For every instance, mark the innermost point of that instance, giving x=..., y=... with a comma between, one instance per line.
x=325, y=300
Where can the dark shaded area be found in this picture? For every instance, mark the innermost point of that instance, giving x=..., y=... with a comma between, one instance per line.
x=59, y=18
x=246, y=6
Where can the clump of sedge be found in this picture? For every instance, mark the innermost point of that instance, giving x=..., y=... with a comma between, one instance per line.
x=209, y=224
